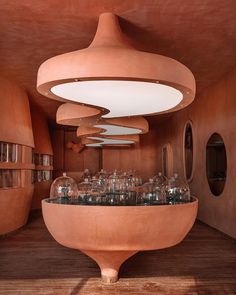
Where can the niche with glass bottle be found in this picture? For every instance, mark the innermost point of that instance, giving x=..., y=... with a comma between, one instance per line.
x=216, y=164
x=10, y=153
x=43, y=167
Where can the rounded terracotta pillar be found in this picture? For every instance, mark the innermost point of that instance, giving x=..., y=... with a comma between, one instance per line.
x=16, y=143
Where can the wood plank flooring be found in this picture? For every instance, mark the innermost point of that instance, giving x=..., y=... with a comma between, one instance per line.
x=31, y=262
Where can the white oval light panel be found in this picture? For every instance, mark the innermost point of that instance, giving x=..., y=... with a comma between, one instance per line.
x=107, y=141
x=122, y=98
x=118, y=130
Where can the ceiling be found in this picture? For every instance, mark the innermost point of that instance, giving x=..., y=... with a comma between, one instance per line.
x=199, y=33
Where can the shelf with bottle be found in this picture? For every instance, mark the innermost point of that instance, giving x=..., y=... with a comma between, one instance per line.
x=43, y=167
x=42, y=159
x=14, y=162
x=10, y=152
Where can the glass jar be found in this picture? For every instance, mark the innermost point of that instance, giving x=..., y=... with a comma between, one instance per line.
x=112, y=184
x=87, y=174
x=85, y=189
x=97, y=186
x=151, y=193
x=159, y=179
x=64, y=188
x=148, y=192
x=177, y=190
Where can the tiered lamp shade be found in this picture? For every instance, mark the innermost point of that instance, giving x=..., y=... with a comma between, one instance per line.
x=110, y=85
x=111, y=74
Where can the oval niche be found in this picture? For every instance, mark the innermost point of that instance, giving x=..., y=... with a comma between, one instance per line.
x=216, y=164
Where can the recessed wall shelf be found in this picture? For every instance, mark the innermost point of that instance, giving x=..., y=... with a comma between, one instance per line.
x=216, y=164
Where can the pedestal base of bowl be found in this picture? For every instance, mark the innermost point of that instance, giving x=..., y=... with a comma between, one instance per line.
x=109, y=263
x=112, y=234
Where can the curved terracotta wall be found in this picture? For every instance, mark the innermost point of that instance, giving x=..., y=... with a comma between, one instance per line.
x=42, y=140
x=43, y=146
x=213, y=111
x=16, y=127
x=66, y=160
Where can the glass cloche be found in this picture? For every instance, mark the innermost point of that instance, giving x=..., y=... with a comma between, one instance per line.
x=64, y=187
x=159, y=179
x=177, y=190
x=152, y=194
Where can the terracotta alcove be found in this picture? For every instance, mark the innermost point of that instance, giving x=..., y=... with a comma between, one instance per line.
x=42, y=158
x=188, y=151
x=16, y=166
x=216, y=164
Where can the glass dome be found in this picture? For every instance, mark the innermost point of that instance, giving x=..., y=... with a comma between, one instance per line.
x=152, y=194
x=64, y=187
x=159, y=179
x=85, y=186
x=97, y=185
x=177, y=190
x=87, y=174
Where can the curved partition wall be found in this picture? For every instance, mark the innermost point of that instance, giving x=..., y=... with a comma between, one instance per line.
x=16, y=142
x=42, y=158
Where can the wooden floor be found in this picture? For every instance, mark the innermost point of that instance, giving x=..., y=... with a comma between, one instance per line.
x=31, y=262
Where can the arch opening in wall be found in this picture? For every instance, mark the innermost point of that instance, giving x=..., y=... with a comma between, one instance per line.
x=216, y=164
x=167, y=160
x=188, y=151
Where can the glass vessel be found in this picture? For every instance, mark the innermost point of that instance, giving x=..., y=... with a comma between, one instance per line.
x=112, y=183
x=102, y=175
x=177, y=190
x=160, y=179
x=85, y=189
x=152, y=193
x=87, y=174
x=64, y=188
x=97, y=185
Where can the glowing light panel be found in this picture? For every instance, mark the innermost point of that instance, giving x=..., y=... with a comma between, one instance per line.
x=118, y=130
x=122, y=98
x=108, y=141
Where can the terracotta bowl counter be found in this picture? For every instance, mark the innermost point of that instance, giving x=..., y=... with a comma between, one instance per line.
x=111, y=234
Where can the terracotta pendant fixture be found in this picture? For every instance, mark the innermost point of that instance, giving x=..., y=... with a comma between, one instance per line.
x=100, y=131
x=115, y=78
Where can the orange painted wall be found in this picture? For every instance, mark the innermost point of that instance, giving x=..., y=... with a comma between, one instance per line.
x=142, y=157
x=16, y=127
x=69, y=161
